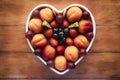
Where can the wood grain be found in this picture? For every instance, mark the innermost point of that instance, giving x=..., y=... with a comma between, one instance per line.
x=15, y=12
x=26, y=65
x=105, y=39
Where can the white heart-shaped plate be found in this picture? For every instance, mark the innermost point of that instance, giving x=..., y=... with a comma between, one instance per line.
x=60, y=11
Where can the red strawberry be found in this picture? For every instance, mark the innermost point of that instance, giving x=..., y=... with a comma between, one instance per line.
x=65, y=24
x=53, y=42
x=54, y=23
x=60, y=49
x=69, y=41
x=73, y=32
x=48, y=33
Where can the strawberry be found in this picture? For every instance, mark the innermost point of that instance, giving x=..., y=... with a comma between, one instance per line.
x=48, y=33
x=54, y=23
x=69, y=41
x=73, y=33
x=65, y=24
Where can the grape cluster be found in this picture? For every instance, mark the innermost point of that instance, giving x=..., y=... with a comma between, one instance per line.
x=60, y=34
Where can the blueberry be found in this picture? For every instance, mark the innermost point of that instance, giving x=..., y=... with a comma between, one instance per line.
x=60, y=29
x=61, y=36
x=55, y=30
x=60, y=42
x=55, y=36
x=61, y=33
x=63, y=39
x=66, y=31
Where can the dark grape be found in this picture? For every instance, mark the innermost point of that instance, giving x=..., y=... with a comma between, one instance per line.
x=86, y=15
x=29, y=34
x=90, y=36
x=50, y=63
x=59, y=18
x=37, y=51
x=82, y=52
x=71, y=65
x=35, y=14
x=45, y=58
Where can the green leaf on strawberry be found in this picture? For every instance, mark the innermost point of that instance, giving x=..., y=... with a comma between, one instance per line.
x=74, y=25
x=46, y=24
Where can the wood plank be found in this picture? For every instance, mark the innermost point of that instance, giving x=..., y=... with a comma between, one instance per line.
x=107, y=39
x=12, y=39
x=106, y=12
x=93, y=66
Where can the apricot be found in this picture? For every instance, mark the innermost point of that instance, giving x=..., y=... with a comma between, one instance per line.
x=60, y=63
x=35, y=25
x=71, y=53
x=74, y=14
x=49, y=52
x=38, y=40
x=81, y=41
x=46, y=14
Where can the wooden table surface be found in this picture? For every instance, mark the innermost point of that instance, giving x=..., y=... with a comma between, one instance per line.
x=18, y=61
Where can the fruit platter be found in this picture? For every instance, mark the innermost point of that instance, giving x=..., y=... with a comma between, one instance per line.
x=60, y=38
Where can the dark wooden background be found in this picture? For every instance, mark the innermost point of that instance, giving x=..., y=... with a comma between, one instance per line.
x=18, y=61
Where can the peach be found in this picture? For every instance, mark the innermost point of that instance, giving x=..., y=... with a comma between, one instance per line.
x=38, y=40
x=74, y=14
x=85, y=26
x=71, y=53
x=35, y=25
x=81, y=41
x=60, y=63
x=46, y=14
x=49, y=52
